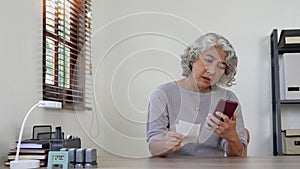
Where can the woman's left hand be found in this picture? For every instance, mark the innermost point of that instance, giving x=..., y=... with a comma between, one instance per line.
x=225, y=129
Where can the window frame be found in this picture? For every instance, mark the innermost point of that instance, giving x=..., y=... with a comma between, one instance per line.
x=67, y=67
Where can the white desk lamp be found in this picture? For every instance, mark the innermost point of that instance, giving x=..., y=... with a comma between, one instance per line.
x=24, y=164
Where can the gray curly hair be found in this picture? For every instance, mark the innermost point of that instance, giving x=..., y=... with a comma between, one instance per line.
x=204, y=43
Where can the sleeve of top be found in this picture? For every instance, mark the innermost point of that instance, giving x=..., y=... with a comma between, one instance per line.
x=158, y=118
x=240, y=128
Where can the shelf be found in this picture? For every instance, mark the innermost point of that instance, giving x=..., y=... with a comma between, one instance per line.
x=288, y=50
x=277, y=103
x=296, y=101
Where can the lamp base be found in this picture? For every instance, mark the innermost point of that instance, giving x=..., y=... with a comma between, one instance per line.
x=24, y=164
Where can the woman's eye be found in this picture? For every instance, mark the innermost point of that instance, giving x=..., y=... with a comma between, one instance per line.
x=208, y=60
x=222, y=67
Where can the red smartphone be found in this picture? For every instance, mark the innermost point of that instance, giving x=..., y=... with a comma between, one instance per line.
x=226, y=107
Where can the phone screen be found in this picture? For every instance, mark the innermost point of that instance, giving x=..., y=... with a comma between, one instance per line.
x=226, y=107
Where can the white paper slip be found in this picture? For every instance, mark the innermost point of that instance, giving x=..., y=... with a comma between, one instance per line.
x=190, y=131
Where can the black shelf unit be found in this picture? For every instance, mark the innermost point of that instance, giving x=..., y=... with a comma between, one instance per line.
x=276, y=52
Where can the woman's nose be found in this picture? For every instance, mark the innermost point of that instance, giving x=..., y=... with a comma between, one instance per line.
x=210, y=69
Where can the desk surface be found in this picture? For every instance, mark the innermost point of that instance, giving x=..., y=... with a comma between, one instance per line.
x=280, y=162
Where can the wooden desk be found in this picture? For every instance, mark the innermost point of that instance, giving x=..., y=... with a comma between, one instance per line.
x=281, y=162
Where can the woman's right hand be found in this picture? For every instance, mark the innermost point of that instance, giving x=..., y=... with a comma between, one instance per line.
x=173, y=141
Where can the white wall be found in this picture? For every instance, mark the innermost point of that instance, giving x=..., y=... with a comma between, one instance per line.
x=146, y=38
x=131, y=60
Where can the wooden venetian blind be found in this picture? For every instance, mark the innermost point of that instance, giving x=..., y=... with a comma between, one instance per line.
x=67, y=68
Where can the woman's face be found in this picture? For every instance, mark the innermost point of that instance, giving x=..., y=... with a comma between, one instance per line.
x=209, y=68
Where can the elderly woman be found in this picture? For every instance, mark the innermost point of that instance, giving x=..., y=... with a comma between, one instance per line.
x=209, y=65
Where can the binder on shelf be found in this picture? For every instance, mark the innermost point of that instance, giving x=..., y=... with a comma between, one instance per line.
x=289, y=38
x=289, y=76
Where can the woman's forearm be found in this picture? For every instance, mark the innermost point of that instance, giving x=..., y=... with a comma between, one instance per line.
x=158, y=148
x=234, y=147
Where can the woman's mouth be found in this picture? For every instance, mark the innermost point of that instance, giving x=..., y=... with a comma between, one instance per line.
x=206, y=79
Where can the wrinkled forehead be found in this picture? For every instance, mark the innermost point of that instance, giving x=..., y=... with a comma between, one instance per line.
x=217, y=52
